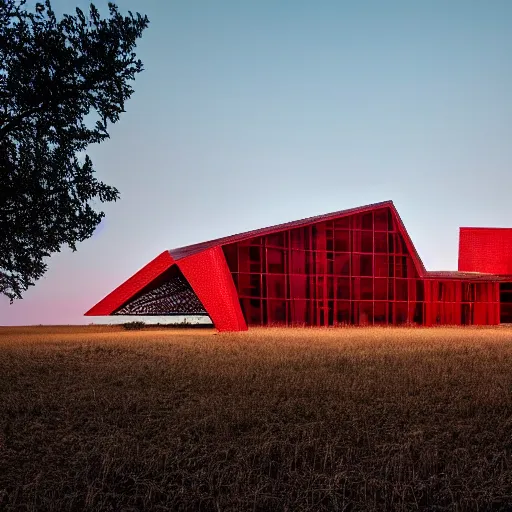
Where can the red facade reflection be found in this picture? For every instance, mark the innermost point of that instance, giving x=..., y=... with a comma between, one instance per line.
x=357, y=267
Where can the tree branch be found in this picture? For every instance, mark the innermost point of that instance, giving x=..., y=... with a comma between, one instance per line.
x=16, y=120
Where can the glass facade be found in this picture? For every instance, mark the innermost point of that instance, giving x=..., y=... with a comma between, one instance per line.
x=356, y=270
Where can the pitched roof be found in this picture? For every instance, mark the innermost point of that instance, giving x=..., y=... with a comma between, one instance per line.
x=189, y=250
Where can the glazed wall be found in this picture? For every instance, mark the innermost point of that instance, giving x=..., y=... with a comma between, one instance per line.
x=461, y=302
x=354, y=270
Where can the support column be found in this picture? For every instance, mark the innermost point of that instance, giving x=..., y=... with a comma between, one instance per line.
x=208, y=274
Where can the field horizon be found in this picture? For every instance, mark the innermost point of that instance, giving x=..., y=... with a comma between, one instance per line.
x=95, y=417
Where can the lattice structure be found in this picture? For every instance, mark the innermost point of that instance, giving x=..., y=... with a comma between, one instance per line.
x=169, y=295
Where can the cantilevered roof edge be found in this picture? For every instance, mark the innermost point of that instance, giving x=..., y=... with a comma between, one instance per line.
x=189, y=250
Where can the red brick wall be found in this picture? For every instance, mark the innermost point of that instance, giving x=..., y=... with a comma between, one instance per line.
x=485, y=250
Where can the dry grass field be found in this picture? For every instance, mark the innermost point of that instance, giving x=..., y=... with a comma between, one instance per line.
x=97, y=418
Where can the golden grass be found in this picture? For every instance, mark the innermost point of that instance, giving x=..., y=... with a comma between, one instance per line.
x=98, y=418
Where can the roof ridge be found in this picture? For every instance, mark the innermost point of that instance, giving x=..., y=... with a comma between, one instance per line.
x=285, y=225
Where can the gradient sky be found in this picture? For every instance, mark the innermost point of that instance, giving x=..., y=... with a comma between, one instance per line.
x=251, y=113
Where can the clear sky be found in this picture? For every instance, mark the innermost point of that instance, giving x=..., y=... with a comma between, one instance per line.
x=256, y=112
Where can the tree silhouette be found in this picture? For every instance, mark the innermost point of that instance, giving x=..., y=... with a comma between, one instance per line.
x=62, y=83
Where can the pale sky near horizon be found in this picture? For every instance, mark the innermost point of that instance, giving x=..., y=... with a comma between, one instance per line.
x=259, y=112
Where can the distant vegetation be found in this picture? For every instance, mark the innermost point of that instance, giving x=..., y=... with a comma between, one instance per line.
x=134, y=326
x=96, y=418
x=139, y=325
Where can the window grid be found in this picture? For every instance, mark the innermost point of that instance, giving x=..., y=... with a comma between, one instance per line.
x=355, y=270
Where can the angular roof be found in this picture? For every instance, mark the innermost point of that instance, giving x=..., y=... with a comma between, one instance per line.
x=189, y=250
x=181, y=256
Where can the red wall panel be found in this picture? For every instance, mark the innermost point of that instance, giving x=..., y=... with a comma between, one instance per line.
x=208, y=274
x=487, y=250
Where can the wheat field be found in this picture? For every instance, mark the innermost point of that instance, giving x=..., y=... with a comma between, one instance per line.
x=373, y=419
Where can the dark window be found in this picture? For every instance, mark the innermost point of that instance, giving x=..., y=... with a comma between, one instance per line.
x=343, y=288
x=342, y=241
x=366, y=265
x=381, y=219
x=381, y=242
x=367, y=220
x=366, y=289
x=401, y=289
x=231, y=255
x=366, y=241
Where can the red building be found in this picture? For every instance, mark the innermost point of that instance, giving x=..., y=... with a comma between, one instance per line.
x=356, y=267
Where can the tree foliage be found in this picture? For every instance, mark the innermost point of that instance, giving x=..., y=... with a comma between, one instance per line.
x=63, y=82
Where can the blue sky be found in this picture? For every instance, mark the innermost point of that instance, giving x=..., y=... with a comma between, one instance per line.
x=259, y=112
